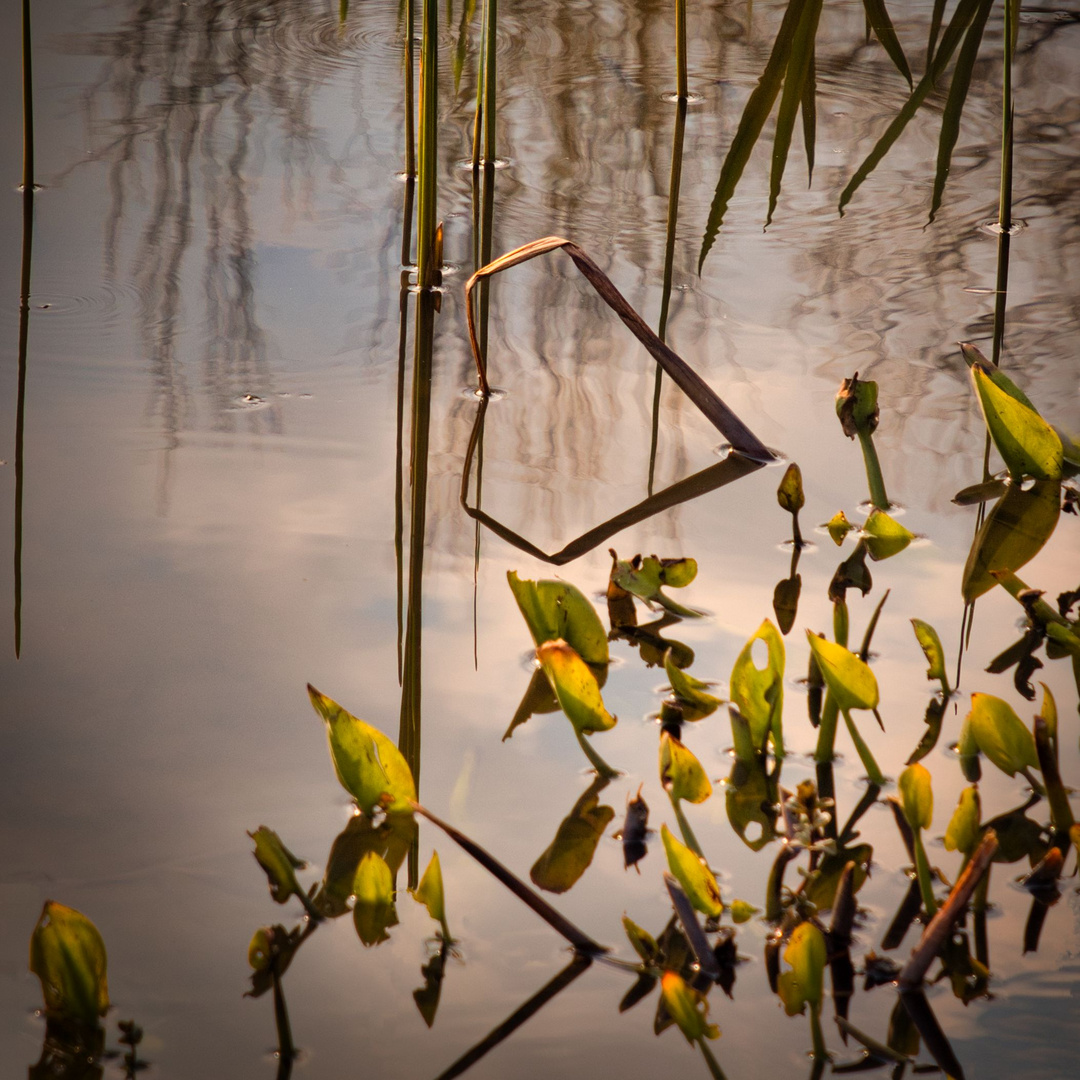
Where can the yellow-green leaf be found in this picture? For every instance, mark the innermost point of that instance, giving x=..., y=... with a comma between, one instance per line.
x=1028, y=445
x=368, y=765
x=681, y=773
x=688, y=1008
x=758, y=693
x=1001, y=735
x=742, y=911
x=430, y=893
x=693, y=875
x=67, y=954
x=930, y=644
x=790, y=492
x=885, y=536
x=695, y=701
x=1048, y=712
x=643, y=942
x=374, y=891
x=838, y=526
x=806, y=954
x=678, y=573
x=556, y=609
x=575, y=686
x=850, y=681
x=259, y=949
x=644, y=577
x=279, y=863
x=1013, y=533
x=917, y=795
x=571, y=852
x=963, y=832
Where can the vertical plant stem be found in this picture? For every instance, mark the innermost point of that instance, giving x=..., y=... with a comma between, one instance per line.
x=680, y=49
x=27, y=99
x=873, y=472
x=492, y=13
x=674, y=184
x=598, y=763
x=922, y=872
x=1001, y=285
x=872, y=771
x=426, y=256
x=478, y=119
x=410, y=100
x=830, y=713
x=286, y=1049
x=688, y=836
x=20, y=402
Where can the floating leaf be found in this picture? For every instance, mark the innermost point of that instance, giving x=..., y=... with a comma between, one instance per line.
x=930, y=644
x=1028, y=445
x=644, y=577
x=575, y=686
x=693, y=875
x=918, y=797
x=643, y=942
x=681, y=773
x=430, y=893
x=557, y=610
x=696, y=703
x=803, y=984
x=963, y=833
x=822, y=887
x=838, y=526
x=1013, y=533
x=68, y=955
x=742, y=911
x=279, y=863
x=374, y=891
x=758, y=693
x=368, y=765
x=790, y=492
x=575, y=843
x=1001, y=735
x=850, y=681
x=885, y=536
x=688, y=1008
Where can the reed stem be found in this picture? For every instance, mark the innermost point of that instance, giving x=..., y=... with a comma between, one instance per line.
x=427, y=224
x=28, y=99
x=680, y=49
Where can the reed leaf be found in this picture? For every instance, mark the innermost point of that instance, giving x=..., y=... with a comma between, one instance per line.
x=877, y=17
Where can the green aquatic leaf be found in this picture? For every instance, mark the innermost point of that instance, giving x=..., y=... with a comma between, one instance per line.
x=575, y=686
x=688, y=1008
x=390, y=839
x=884, y=536
x=967, y=750
x=822, y=886
x=373, y=888
x=681, y=773
x=571, y=852
x=751, y=798
x=279, y=863
x=693, y=875
x=1001, y=735
x=67, y=953
x=857, y=406
x=758, y=693
x=917, y=795
x=790, y=494
x=691, y=693
x=430, y=893
x=877, y=17
x=963, y=833
x=368, y=765
x=838, y=527
x=1014, y=532
x=1048, y=712
x=804, y=983
x=930, y=644
x=850, y=681
x=742, y=911
x=555, y=610
x=643, y=942
x=1028, y=445
x=646, y=577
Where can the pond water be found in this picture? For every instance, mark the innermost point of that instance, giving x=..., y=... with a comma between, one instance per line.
x=224, y=493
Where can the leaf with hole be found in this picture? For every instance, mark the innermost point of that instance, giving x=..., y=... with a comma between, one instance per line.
x=758, y=693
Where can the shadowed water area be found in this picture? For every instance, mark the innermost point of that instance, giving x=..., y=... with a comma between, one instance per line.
x=241, y=453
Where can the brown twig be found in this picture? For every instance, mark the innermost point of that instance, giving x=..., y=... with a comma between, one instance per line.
x=942, y=923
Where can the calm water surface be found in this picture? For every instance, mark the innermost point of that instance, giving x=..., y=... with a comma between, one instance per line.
x=209, y=523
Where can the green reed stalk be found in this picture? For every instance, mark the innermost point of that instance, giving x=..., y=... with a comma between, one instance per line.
x=674, y=185
x=680, y=49
x=410, y=96
x=28, y=100
x=491, y=23
x=427, y=223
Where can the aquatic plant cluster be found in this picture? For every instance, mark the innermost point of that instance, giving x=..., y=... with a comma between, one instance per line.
x=814, y=955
